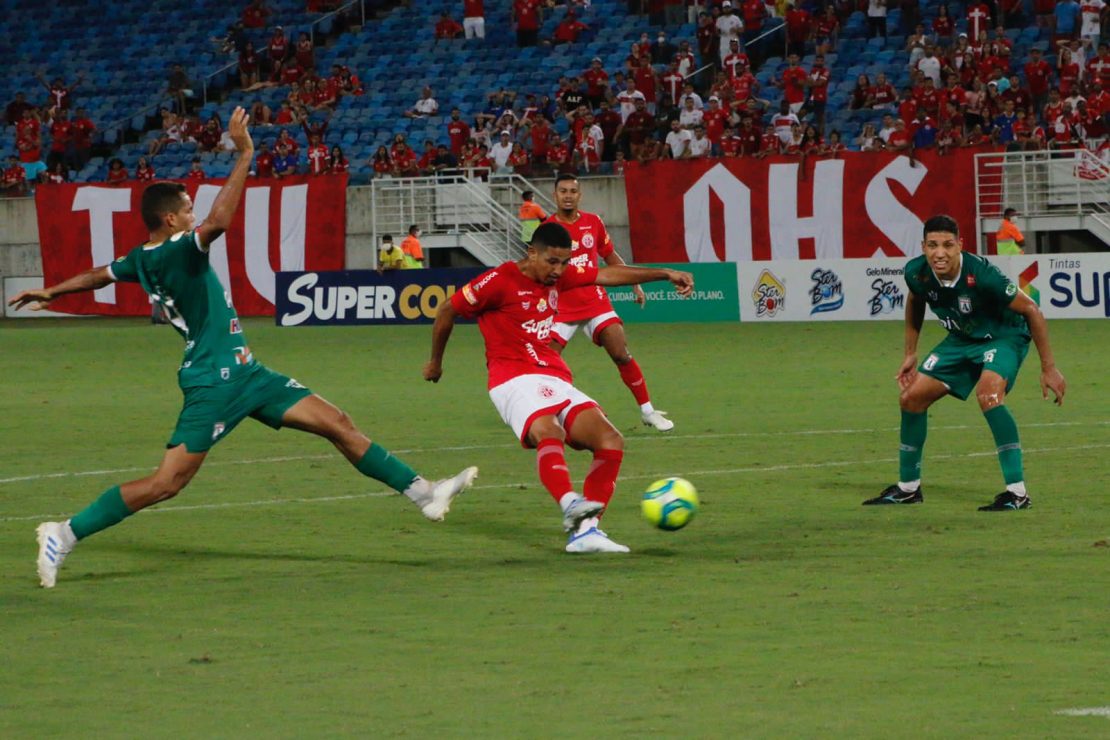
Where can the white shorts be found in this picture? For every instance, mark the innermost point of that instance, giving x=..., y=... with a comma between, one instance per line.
x=525, y=398
x=474, y=27
x=562, y=333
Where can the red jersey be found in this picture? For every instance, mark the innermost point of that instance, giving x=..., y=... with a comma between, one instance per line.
x=195, y=175
x=742, y=86
x=527, y=15
x=27, y=128
x=473, y=9
x=117, y=176
x=14, y=174
x=318, y=159
x=82, y=130
x=144, y=174
x=59, y=135
x=714, y=121
x=793, y=83
x=515, y=315
x=589, y=241
x=458, y=132
x=819, y=84
x=596, y=80
x=264, y=165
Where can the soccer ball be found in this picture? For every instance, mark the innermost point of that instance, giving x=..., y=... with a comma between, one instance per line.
x=670, y=503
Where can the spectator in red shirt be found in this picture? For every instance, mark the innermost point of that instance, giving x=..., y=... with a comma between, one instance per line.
x=457, y=131
x=286, y=139
x=58, y=95
x=404, y=160
x=14, y=181
x=558, y=155
x=818, y=86
x=209, y=139
x=290, y=73
x=528, y=15
x=179, y=88
x=1038, y=75
x=248, y=68
x=61, y=130
x=793, y=83
x=337, y=163
x=978, y=19
x=117, y=173
x=735, y=62
x=317, y=156
x=713, y=119
x=196, y=172
x=569, y=28
x=900, y=139
x=285, y=115
x=610, y=122
x=799, y=28
x=541, y=135
x=143, y=171
x=597, y=82
x=264, y=162
x=447, y=28
x=474, y=19
x=277, y=49
x=304, y=53
x=14, y=112
x=255, y=14
x=636, y=129
x=81, y=131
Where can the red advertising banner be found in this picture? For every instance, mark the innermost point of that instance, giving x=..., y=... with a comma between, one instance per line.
x=296, y=223
x=863, y=204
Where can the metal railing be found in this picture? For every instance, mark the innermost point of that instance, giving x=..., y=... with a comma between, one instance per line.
x=1053, y=188
x=449, y=209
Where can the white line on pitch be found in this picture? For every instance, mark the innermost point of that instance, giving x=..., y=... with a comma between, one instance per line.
x=1085, y=712
x=642, y=476
x=499, y=446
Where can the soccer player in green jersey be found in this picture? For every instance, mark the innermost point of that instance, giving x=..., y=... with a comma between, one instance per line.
x=221, y=380
x=990, y=323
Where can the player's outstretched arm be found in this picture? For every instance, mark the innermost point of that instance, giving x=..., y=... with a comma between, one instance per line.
x=92, y=279
x=615, y=260
x=441, y=332
x=915, y=318
x=1051, y=378
x=227, y=200
x=631, y=275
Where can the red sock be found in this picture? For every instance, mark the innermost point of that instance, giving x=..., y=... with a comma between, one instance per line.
x=634, y=379
x=601, y=481
x=552, y=464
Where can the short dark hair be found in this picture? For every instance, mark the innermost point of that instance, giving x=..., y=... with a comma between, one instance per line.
x=1009, y=212
x=941, y=222
x=563, y=177
x=527, y=195
x=550, y=235
x=158, y=200
x=387, y=237
x=413, y=228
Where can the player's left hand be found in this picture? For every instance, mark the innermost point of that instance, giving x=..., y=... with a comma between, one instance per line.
x=433, y=371
x=237, y=129
x=1052, y=379
x=683, y=282
x=639, y=296
x=40, y=298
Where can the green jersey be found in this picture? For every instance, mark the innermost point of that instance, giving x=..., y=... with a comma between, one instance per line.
x=976, y=305
x=178, y=277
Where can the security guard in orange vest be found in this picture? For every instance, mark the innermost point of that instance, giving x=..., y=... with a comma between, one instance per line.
x=1009, y=239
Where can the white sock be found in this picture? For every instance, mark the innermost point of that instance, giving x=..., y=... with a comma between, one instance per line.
x=647, y=408
x=587, y=524
x=909, y=486
x=1018, y=488
x=70, y=539
x=418, y=490
x=567, y=499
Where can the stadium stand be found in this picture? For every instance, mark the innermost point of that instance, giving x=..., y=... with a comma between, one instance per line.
x=394, y=55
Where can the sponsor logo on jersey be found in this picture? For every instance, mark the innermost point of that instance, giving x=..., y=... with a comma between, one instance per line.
x=541, y=306
x=526, y=305
x=541, y=328
x=769, y=294
x=235, y=328
x=218, y=429
x=481, y=283
x=827, y=293
x=468, y=294
x=886, y=298
x=965, y=304
x=243, y=355
x=580, y=261
x=988, y=356
x=971, y=281
x=293, y=383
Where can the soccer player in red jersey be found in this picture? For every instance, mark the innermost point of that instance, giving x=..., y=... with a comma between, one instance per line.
x=589, y=307
x=530, y=384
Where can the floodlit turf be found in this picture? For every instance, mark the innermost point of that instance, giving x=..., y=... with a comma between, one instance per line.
x=283, y=596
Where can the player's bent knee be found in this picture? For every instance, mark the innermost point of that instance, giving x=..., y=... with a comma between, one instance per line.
x=611, y=440
x=914, y=403
x=989, y=399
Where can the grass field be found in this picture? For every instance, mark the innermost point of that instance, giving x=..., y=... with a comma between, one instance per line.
x=282, y=595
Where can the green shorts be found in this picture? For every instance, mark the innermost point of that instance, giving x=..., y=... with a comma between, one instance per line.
x=959, y=362
x=211, y=412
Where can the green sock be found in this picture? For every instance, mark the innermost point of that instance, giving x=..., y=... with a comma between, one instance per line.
x=911, y=442
x=107, y=511
x=378, y=463
x=1005, y=432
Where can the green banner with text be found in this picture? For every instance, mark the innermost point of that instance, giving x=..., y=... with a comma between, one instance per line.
x=715, y=298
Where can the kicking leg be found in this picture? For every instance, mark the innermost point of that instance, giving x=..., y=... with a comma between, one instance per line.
x=548, y=437
x=57, y=539
x=915, y=401
x=613, y=339
x=314, y=414
x=991, y=393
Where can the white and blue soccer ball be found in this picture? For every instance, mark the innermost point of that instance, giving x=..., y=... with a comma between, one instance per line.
x=670, y=503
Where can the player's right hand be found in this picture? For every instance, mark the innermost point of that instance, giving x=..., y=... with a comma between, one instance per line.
x=1053, y=380
x=41, y=298
x=907, y=372
x=433, y=371
x=237, y=129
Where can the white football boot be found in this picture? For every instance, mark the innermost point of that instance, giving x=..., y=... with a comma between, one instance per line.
x=434, y=497
x=580, y=510
x=588, y=538
x=658, y=420
x=56, y=540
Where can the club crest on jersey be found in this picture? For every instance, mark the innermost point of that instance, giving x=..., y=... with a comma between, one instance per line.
x=553, y=300
x=933, y=295
x=546, y=391
x=235, y=328
x=588, y=240
x=225, y=372
x=218, y=429
x=965, y=304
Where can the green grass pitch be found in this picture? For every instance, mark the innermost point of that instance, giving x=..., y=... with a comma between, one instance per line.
x=282, y=595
